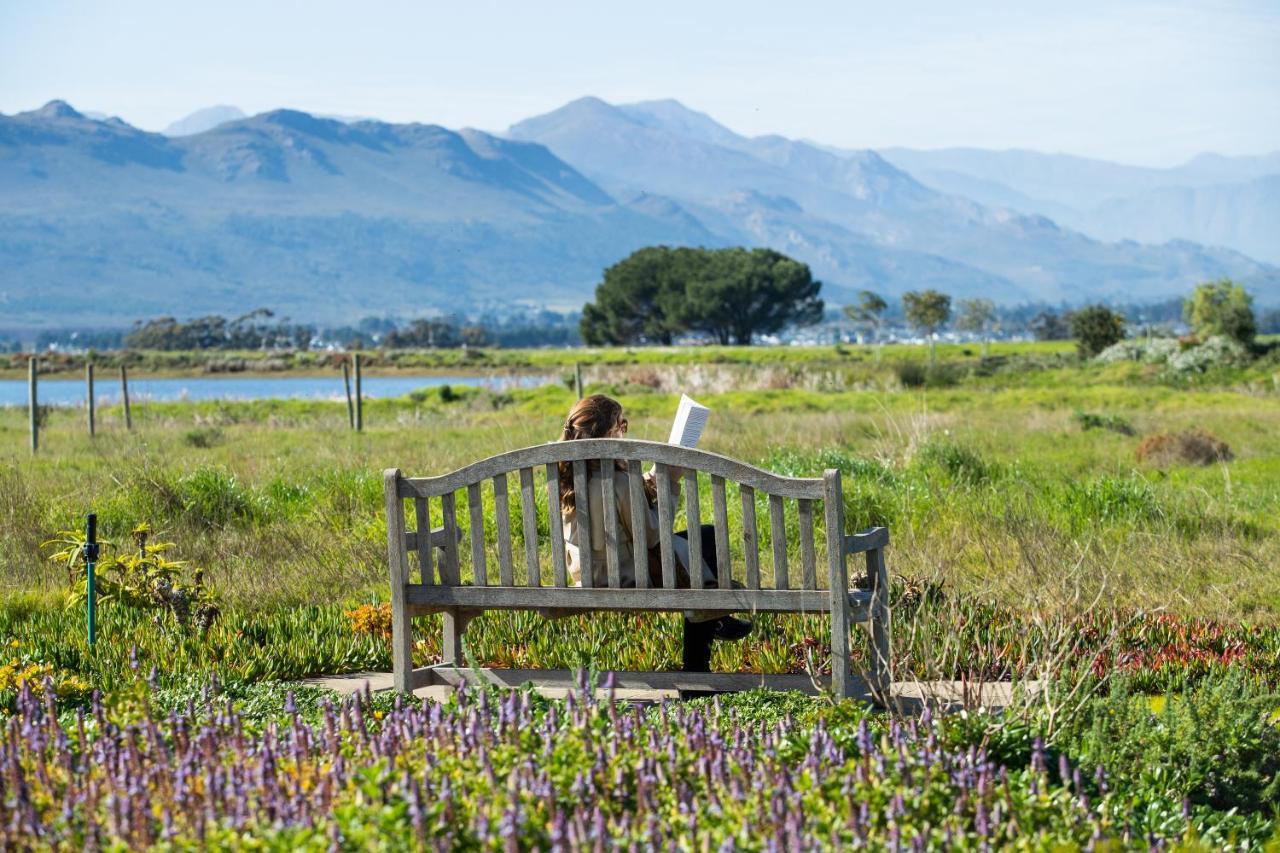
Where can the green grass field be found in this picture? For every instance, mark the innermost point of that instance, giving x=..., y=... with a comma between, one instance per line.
x=1028, y=538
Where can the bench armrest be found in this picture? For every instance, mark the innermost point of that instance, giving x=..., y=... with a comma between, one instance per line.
x=867, y=540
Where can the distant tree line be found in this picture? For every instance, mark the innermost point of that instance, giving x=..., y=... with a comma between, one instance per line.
x=659, y=294
x=520, y=327
x=254, y=330
x=1220, y=307
x=729, y=295
x=97, y=339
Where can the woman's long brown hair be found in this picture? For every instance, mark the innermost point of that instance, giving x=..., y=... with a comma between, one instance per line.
x=591, y=417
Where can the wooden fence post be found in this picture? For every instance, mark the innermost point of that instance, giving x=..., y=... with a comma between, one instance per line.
x=355, y=359
x=346, y=386
x=88, y=383
x=34, y=403
x=124, y=396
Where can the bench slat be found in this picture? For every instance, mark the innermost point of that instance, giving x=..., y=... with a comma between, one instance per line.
x=529, y=510
x=694, y=527
x=665, y=523
x=424, y=598
x=750, y=539
x=720, y=509
x=476, y=510
x=450, y=572
x=502, y=513
x=422, y=513
x=582, y=511
x=609, y=505
x=778, y=537
x=808, y=559
x=639, y=524
x=614, y=448
x=555, y=521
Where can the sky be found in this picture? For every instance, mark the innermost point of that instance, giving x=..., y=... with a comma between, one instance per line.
x=1143, y=83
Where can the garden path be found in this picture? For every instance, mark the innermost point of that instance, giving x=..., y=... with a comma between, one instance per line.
x=656, y=686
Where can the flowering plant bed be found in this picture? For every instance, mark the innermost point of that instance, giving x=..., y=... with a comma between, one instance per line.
x=484, y=771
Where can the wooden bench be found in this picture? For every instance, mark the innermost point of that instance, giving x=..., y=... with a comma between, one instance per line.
x=461, y=588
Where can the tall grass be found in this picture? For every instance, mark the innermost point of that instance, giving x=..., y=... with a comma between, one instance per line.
x=1015, y=532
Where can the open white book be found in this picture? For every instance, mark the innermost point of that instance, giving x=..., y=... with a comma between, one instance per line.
x=691, y=420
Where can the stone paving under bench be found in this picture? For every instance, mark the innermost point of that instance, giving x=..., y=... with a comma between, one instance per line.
x=652, y=687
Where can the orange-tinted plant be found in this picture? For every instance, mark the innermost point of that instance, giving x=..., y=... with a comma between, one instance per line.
x=371, y=619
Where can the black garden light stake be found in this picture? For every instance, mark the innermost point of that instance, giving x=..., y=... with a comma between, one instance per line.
x=90, y=560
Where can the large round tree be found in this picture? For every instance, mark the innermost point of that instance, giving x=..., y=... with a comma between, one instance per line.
x=731, y=294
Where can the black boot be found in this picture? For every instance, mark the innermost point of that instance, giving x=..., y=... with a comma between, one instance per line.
x=731, y=628
x=697, y=645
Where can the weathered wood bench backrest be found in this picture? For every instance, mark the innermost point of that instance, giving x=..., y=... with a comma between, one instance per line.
x=443, y=585
x=439, y=557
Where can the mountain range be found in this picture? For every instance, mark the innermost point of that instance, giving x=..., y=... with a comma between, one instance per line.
x=328, y=219
x=1210, y=199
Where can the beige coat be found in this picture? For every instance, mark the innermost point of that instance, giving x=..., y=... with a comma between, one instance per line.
x=629, y=539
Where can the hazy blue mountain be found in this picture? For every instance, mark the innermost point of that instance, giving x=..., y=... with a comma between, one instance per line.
x=323, y=219
x=1210, y=199
x=671, y=114
x=202, y=120
x=845, y=260
x=1244, y=216
x=660, y=147
x=313, y=217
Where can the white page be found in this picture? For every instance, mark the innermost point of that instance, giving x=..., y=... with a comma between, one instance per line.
x=691, y=420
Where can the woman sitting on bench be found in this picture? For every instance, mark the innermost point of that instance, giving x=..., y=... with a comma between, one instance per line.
x=599, y=416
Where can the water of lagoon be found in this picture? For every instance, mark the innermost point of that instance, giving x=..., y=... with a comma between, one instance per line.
x=71, y=392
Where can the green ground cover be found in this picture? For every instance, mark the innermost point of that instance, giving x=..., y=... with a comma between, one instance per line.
x=1028, y=541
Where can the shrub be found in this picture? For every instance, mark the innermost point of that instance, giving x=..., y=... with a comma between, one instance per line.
x=1193, y=447
x=957, y=461
x=373, y=620
x=21, y=672
x=1218, y=351
x=1110, y=499
x=1156, y=351
x=1095, y=328
x=1222, y=308
x=285, y=499
x=1111, y=423
x=501, y=400
x=203, y=437
x=1217, y=745
x=1180, y=356
x=142, y=578
x=213, y=497
x=915, y=375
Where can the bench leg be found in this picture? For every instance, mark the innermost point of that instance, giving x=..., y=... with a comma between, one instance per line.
x=841, y=667
x=838, y=568
x=398, y=562
x=881, y=641
x=455, y=624
x=401, y=648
